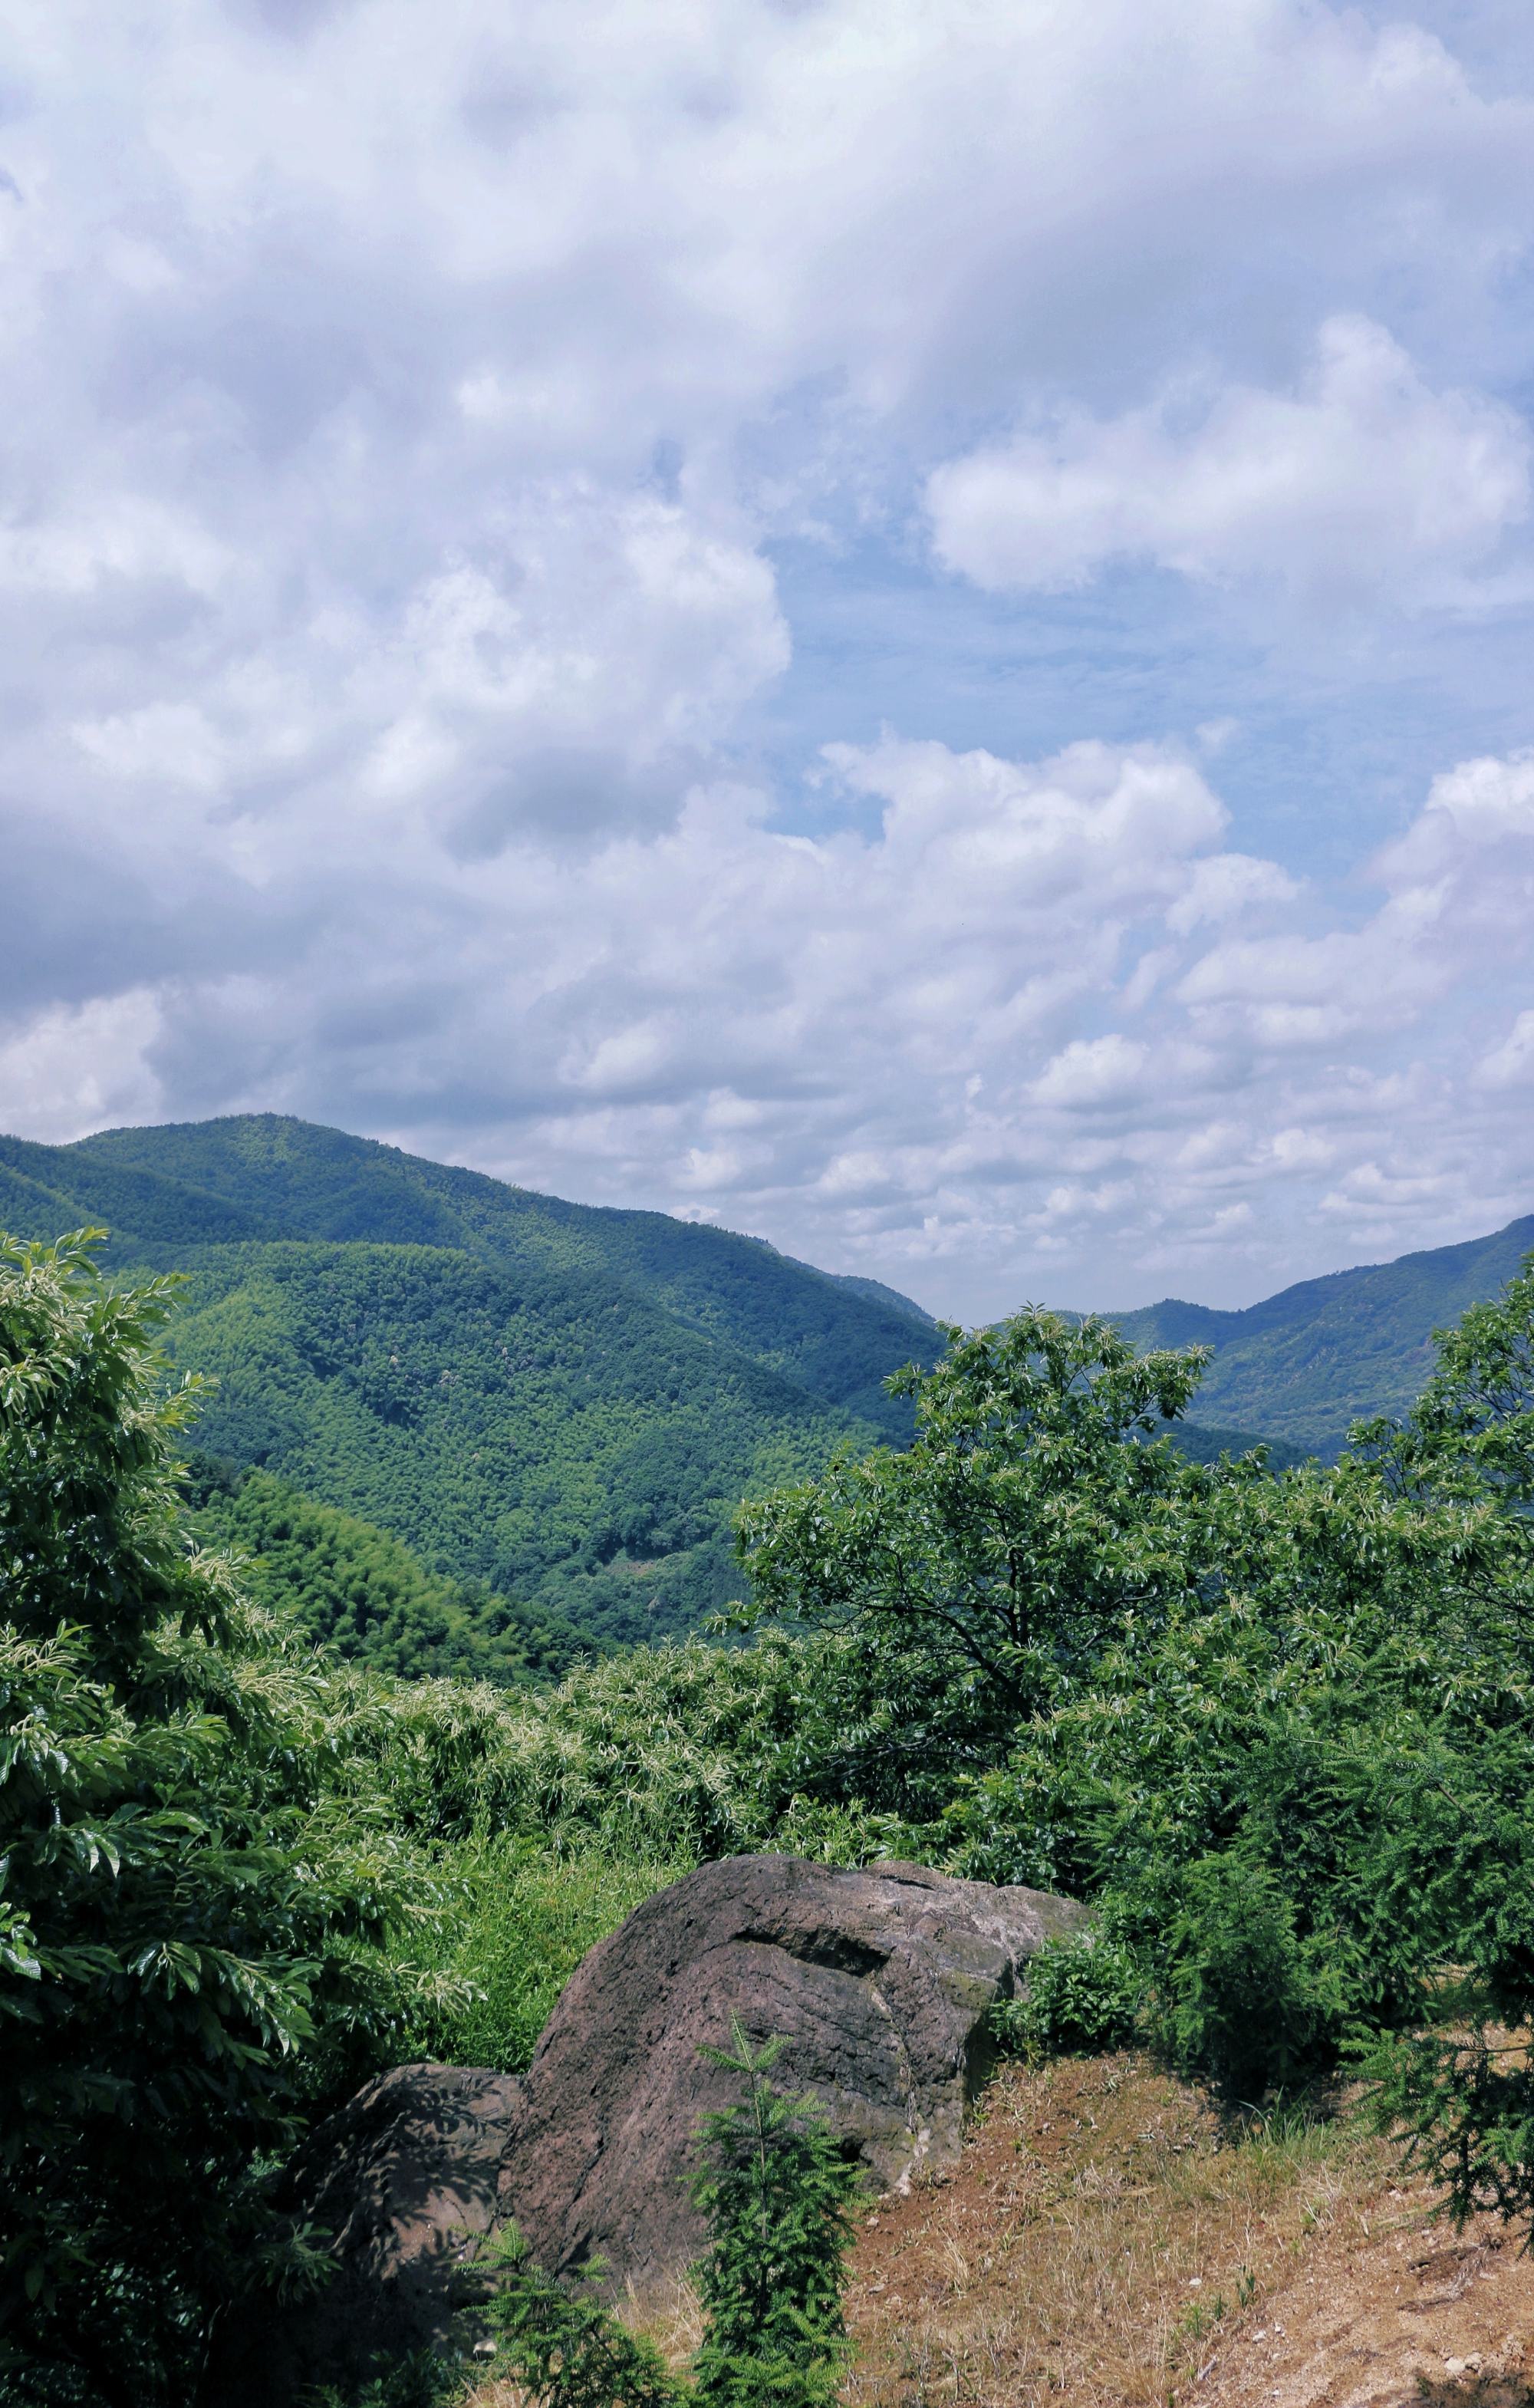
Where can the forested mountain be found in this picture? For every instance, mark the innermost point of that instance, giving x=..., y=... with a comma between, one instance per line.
x=164, y=1192
x=1305, y=1363
x=552, y=1434
x=554, y=1404
x=528, y=1421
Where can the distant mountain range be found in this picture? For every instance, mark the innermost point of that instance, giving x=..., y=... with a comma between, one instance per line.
x=1315, y=1357
x=558, y=1404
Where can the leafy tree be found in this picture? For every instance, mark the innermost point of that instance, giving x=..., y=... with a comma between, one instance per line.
x=190, y=1930
x=1461, y=2090
x=1026, y=1519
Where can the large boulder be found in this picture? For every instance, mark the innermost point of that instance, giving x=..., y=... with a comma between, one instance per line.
x=878, y=1984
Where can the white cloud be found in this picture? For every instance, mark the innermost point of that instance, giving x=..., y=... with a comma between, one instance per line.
x=1512, y=1063
x=1091, y=1072
x=870, y=1041
x=66, y=1072
x=1362, y=478
x=418, y=426
x=1225, y=885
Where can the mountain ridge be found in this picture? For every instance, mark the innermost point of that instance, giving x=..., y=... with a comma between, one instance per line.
x=563, y=1403
x=1303, y=1363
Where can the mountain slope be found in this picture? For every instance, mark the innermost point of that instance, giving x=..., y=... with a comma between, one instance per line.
x=1305, y=1363
x=561, y=1402
x=362, y=1592
x=551, y=1435
x=262, y=1176
x=556, y=1402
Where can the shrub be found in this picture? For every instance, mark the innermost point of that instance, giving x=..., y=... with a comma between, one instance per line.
x=568, y=2349
x=192, y=1933
x=777, y=2194
x=1083, y=1996
x=1246, y=2001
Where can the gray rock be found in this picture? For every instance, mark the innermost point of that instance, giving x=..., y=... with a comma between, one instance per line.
x=405, y=2178
x=877, y=1982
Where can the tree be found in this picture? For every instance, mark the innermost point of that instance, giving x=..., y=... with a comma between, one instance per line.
x=191, y=1929
x=777, y=2194
x=1028, y=1518
x=1461, y=2090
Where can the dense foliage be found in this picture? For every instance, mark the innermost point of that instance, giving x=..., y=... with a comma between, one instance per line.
x=1278, y=1728
x=560, y=1443
x=363, y=1592
x=195, y=1939
x=1020, y=1527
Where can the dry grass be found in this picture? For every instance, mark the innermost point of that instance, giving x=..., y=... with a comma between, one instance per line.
x=1098, y=2233
x=1106, y=2244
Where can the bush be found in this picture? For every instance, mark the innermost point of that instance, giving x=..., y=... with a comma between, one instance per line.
x=1083, y=1996
x=568, y=2349
x=1246, y=2002
x=777, y=2194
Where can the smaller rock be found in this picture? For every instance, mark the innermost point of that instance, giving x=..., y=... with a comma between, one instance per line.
x=405, y=2177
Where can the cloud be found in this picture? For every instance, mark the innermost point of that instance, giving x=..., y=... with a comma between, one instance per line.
x=65, y=1070
x=1360, y=479
x=1512, y=1063
x=869, y=1039
x=1092, y=1072
x=462, y=528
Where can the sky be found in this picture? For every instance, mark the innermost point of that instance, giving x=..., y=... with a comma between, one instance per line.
x=901, y=624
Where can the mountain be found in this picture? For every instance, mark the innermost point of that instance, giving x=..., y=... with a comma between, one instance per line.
x=166, y=1191
x=1306, y=1363
x=550, y=1402
x=497, y=1396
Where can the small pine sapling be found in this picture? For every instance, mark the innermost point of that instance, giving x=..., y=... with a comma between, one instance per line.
x=568, y=2351
x=779, y=2197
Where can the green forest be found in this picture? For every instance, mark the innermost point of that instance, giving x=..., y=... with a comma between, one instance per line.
x=267, y=1826
x=522, y=1427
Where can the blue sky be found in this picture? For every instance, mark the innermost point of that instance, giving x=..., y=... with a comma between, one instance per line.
x=901, y=623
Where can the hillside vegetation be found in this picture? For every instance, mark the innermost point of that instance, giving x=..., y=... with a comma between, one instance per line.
x=1278, y=1731
x=170, y=1191
x=554, y=1409
x=1305, y=1364
x=553, y=1437
x=363, y=1594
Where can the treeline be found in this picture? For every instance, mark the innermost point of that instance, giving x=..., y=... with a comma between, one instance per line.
x=1278, y=1729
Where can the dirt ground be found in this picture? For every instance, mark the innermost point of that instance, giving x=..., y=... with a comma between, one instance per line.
x=1105, y=2243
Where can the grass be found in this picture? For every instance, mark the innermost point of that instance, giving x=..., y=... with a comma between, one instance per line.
x=528, y=1917
x=1103, y=2225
